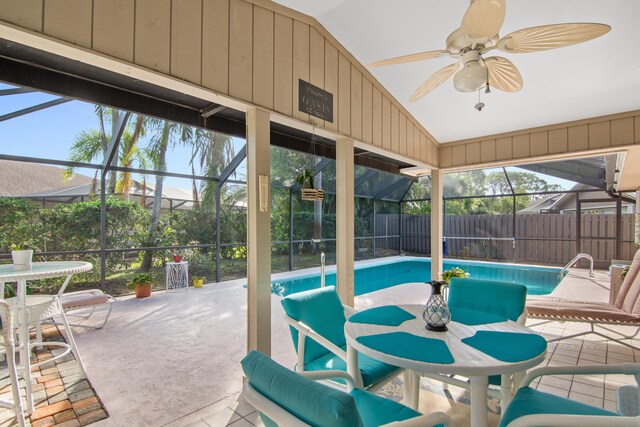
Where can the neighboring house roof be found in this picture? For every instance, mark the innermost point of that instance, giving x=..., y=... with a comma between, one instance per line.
x=172, y=197
x=545, y=203
x=21, y=179
x=566, y=201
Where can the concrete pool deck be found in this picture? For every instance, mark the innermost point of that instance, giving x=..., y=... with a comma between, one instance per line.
x=173, y=359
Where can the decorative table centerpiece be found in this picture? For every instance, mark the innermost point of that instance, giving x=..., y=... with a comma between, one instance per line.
x=436, y=312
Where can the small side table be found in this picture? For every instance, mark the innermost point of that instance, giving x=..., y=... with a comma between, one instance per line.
x=177, y=276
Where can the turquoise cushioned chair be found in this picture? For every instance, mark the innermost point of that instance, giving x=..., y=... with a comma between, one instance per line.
x=316, y=320
x=476, y=301
x=286, y=398
x=486, y=301
x=531, y=407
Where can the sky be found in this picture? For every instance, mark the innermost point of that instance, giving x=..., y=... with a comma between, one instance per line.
x=49, y=133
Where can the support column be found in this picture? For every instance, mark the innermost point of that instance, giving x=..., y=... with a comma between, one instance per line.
x=345, y=219
x=218, y=189
x=437, y=219
x=258, y=232
x=618, y=228
x=637, y=223
x=290, y=230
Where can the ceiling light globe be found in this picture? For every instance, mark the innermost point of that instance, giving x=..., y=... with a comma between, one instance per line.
x=472, y=77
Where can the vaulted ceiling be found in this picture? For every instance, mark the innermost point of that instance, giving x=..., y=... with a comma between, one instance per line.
x=595, y=78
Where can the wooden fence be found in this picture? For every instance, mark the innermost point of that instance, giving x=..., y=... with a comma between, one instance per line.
x=540, y=238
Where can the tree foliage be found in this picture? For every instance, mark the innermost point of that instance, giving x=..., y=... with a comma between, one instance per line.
x=480, y=183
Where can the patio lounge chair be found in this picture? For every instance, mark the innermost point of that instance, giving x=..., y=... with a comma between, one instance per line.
x=475, y=301
x=531, y=407
x=91, y=298
x=625, y=311
x=286, y=398
x=316, y=319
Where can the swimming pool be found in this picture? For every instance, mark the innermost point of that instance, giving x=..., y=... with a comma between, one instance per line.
x=384, y=274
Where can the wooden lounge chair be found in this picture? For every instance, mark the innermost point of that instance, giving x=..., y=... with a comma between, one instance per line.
x=624, y=311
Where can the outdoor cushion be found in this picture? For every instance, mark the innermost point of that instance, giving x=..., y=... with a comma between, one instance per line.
x=372, y=370
x=321, y=310
x=409, y=346
x=627, y=296
x=529, y=401
x=84, y=298
x=588, y=310
x=509, y=347
x=490, y=296
x=387, y=315
x=314, y=403
x=474, y=317
x=377, y=411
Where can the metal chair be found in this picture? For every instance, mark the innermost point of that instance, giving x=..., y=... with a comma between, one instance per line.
x=317, y=319
x=286, y=398
x=531, y=407
x=474, y=301
x=8, y=338
x=91, y=298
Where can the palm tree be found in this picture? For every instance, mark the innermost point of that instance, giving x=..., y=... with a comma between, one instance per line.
x=91, y=145
x=166, y=133
x=214, y=151
x=129, y=152
x=214, y=157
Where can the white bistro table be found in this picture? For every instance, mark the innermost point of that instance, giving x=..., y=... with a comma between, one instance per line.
x=468, y=361
x=39, y=307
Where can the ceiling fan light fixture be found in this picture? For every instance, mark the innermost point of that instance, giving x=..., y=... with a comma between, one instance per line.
x=471, y=77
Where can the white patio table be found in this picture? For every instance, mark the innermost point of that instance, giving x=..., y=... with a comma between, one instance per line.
x=468, y=361
x=35, y=308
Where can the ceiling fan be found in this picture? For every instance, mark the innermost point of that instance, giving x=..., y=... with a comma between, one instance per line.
x=478, y=34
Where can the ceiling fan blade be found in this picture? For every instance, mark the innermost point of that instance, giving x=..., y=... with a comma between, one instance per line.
x=502, y=74
x=553, y=36
x=414, y=57
x=435, y=80
x=484, y=18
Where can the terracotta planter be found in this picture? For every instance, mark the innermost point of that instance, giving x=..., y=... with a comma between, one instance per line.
x=143, y=291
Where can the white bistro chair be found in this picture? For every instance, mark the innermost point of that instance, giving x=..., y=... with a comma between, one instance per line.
x=8, y=338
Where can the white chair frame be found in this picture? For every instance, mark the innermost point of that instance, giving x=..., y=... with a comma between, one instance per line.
x=558, y=420
x=8, y=337
x=508, y=383
x=68, y=309
x=284, y=418
x=305, y=331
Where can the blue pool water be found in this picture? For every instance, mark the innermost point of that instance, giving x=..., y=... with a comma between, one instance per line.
x=373, y=277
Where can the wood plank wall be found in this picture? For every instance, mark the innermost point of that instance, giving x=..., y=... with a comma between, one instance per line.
x=251, y=50
x=577, y=138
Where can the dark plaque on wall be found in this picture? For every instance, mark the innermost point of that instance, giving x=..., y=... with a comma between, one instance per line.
x=315, y=101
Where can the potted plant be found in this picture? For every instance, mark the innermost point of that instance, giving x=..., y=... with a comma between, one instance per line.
x=21, y=257
x=177, y=258
x=305, y=179
x=141, y=283
x=198, y=281
x=454, y=272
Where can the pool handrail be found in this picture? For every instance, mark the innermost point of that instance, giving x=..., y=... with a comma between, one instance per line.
x=322, y=259
x=575, y=259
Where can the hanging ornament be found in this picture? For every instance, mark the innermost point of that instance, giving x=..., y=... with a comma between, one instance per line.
x=305, y=179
